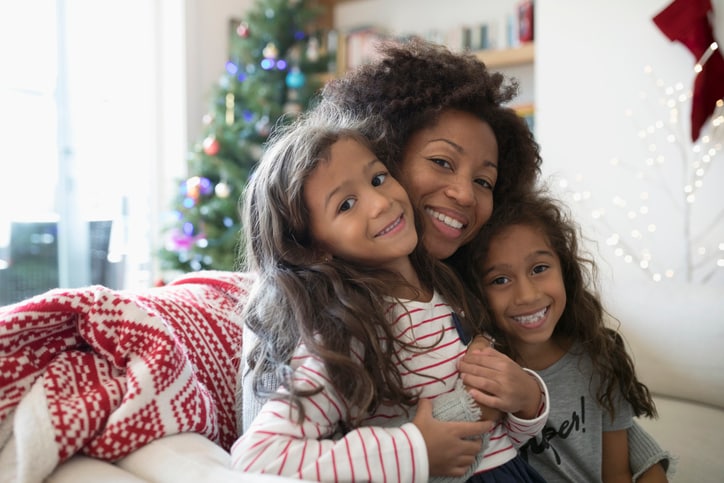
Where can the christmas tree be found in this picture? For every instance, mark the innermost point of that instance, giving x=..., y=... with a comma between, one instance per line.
x=275, y=50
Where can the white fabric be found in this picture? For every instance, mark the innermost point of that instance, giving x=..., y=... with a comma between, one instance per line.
x=180, y=458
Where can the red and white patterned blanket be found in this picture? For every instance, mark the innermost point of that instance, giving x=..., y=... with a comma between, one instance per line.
x=104, y=372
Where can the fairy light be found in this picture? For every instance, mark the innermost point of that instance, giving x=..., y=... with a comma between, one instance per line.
x=699, y=66
x=627, y=228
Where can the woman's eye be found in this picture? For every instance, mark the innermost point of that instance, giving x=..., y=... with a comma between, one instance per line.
x=441, y=162
x=347, y=204
x=484, y=183
x=379, y=179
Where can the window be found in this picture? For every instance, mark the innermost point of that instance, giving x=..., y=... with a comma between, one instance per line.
x=79, y=130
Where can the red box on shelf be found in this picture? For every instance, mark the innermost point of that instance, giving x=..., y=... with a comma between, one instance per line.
x=525, y=21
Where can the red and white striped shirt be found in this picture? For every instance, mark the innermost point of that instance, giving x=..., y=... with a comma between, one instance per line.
x=387, y=446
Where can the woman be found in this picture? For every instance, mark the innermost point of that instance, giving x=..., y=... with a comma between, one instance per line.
x=460, y=152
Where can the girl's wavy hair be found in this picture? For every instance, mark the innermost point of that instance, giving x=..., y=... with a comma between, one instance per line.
x=326, y=305
x=583, y=318
x=413, y=82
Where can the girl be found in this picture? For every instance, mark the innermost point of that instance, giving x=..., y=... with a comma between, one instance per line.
x=361, y=327
x=539, y=290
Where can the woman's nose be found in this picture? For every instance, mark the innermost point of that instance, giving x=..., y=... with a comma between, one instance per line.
x=461, y=190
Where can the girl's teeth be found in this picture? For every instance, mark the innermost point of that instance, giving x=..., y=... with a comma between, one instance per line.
x=390, y=228
x=530, y=319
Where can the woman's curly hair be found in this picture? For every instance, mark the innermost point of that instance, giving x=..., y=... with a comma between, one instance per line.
x=413, y=83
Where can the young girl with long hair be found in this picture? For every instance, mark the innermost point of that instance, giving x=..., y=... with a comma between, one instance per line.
x=361, y=326
x=540, y=288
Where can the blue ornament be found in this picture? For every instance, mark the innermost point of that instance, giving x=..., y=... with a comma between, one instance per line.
x=295, y=78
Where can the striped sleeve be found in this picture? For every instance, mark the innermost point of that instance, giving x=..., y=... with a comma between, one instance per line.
x=276, y=444
x=521, y=430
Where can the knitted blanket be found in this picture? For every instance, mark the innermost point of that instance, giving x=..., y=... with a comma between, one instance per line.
x=105, y=372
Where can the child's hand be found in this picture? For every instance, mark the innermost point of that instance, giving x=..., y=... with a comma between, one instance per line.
x=488, y=413
x=497, y=381
x=449, y=451
x=479, y=342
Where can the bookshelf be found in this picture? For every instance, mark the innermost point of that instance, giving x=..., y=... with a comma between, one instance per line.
x=524, y=54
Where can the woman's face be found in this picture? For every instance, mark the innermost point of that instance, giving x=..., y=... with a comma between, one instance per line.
x=450, y=170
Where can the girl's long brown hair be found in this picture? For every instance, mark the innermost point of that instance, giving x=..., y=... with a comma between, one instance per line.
x=584, y=318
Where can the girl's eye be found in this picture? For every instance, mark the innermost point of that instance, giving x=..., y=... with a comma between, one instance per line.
x=540, y=268
x=379, y=179
x=347, y=204
x=441, y=162
x=499, y=280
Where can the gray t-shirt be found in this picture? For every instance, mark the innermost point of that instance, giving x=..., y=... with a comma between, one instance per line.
x=570, y=447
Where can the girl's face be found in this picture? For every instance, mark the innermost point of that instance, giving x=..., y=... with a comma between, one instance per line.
x=358, y=212
x=523, y=283
x=450, y=170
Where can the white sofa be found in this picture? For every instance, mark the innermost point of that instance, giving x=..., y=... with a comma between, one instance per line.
x=677, y=346
x=676, y=335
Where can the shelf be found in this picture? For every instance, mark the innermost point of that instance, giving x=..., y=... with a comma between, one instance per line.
x=525, y=54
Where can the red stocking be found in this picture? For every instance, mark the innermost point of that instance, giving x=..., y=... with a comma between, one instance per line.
x=686, y=21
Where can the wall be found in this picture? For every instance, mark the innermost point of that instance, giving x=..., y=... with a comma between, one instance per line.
x=206, y=53
x=590, y=59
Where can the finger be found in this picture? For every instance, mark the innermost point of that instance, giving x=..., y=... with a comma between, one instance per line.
x=471, y=429
x=483, y=398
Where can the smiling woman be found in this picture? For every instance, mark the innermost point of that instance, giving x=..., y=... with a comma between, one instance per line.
x=79, y=126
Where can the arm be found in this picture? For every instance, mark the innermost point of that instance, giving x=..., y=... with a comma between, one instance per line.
x=497, y=381
x=649, y=462
x=522, y=428
x=614, y=464
x=487, y=413
x=275, y=443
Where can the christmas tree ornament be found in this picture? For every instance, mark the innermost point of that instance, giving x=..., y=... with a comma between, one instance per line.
x=198, y=186
x=270, y=51
x=222, y=190
x=229, y=102
x=688, y=22
x=267, y=64
x=211, y=146
x=295, y=78
x=263, y=126
x=232, y=68
x=243, y=30
x=313, y=49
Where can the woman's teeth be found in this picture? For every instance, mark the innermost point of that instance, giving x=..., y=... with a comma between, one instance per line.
x=451, y=222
